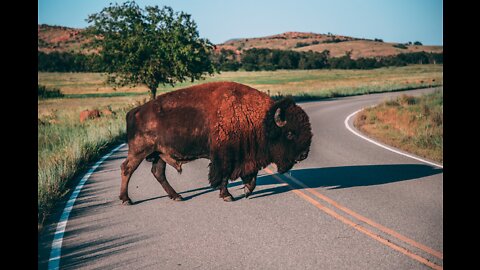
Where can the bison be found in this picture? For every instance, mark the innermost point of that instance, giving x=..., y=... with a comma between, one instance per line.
x=89, y=114
x=238, y=128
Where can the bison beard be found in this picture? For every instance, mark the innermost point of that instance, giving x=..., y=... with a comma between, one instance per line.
x=240, y=129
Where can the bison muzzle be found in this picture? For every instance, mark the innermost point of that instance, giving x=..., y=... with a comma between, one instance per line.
x=238, y=128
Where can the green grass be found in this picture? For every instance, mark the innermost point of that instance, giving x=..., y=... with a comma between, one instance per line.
x=414, y=124
x=354, y=91
x=66, y=146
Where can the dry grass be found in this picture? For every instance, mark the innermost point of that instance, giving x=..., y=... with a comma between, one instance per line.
x=367, y=49
x=82, y=83
x=69, y=108
x=414, y=124
x=295, y=82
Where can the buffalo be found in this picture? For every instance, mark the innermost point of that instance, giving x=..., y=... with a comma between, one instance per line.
x=238, y=128
x=89, y=114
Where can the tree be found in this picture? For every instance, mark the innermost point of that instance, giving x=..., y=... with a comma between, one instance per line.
x=343, y=62
x=400, y=46
x=149, y=46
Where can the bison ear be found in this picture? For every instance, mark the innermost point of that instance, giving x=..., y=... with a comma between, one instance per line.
x=276, y=117
x=279, y=117
x=280, y=108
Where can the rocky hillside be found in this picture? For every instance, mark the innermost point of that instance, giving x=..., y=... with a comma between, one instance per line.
x=60, y=38
x=336, y=44
x=65, y=39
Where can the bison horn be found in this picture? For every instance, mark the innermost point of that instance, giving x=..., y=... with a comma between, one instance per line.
x=279, y=121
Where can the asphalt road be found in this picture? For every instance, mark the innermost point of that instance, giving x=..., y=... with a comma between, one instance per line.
x=350, y=205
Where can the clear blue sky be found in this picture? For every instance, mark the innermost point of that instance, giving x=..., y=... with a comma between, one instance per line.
x=220, y=20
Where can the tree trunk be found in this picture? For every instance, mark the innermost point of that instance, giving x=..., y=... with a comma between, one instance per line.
x=153, y=93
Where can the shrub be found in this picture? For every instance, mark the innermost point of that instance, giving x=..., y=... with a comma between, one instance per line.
x=333, y=40
x=400, y=46
x=301, y=44
x=406, y=100
x=391, y=103
x=44, y=92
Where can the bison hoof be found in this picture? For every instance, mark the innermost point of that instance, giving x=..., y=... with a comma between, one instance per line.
x=127, y=202
x=125, y=199
x=178, y=198
x=247, y=192
x=228, y=199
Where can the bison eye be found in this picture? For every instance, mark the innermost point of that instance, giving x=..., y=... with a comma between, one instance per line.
x=290, y=135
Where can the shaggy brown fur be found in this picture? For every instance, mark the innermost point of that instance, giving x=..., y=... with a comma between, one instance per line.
x=229, y=123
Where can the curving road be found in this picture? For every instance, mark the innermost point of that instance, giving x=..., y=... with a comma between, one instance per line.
x=350, y=205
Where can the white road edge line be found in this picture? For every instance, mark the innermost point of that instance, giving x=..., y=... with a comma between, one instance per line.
x=55, y=252
x=383, y=146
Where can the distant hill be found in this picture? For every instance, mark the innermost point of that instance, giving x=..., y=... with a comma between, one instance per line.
x=336, y=44
x=53, y=38
x=65, y=39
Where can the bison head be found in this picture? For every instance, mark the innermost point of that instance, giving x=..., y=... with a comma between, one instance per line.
x=289, y=134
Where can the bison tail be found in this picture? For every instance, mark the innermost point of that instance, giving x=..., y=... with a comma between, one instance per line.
x=131, y=125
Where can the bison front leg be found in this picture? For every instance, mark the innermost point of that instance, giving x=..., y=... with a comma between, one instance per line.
x=158, y=170
x=250, y=182
x=218, y=180
x=224, y=194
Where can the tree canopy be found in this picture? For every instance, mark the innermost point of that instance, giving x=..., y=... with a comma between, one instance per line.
x=149, y=46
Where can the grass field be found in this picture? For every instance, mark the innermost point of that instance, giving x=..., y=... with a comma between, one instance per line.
x=65, y=146
x=414, y=124
x=319, y=83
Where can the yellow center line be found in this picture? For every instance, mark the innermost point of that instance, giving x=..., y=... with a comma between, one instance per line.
x=353, y=224
x=370, y=222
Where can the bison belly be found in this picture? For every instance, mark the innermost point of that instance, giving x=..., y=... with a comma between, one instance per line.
x=182, y=135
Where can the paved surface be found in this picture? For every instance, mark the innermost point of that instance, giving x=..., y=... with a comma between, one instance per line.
x=277, y=228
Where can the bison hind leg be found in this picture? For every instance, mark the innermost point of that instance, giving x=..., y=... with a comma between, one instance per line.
x=158, y=170
x=156, y=156
x=172, y=162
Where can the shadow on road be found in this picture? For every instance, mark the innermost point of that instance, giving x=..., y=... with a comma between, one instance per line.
x=185, y=198
x=330, y=178
x=82, y=254
x=347, y=176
